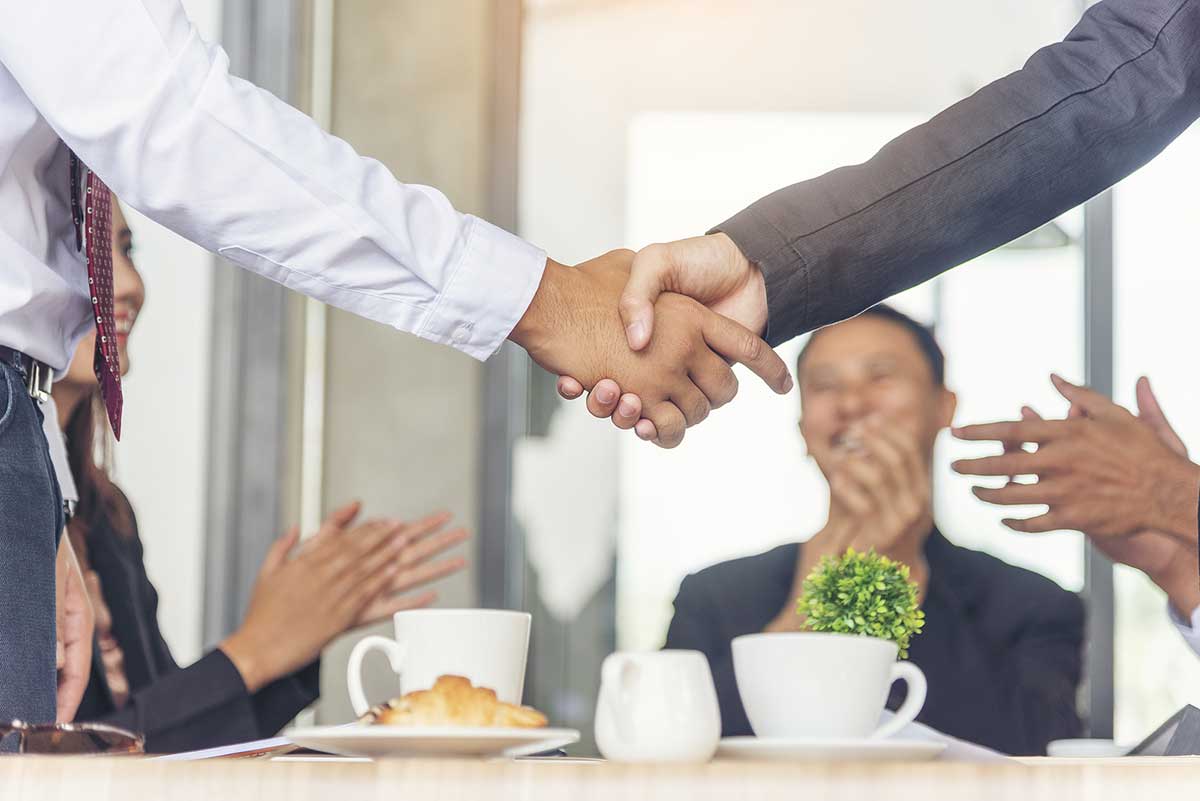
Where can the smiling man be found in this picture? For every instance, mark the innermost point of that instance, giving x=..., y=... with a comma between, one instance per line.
x=1001, y=645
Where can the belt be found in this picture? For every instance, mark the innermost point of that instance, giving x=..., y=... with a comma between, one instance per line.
x=38, y=375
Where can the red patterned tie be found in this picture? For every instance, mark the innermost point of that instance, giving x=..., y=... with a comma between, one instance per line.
x=96, y=219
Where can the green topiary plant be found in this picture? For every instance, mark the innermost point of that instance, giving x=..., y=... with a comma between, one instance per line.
x=862, y=593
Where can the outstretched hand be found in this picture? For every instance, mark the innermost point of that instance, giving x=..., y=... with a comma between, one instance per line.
x=710, y=270
x=1102, y=471
x=1168, y=562
x=574, y=327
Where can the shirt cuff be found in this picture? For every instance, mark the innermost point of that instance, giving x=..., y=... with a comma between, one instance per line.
x=784, y=273
x=1190, y=629
x=487, y=293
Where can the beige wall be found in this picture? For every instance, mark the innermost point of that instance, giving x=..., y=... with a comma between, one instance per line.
x=589, y=66
x=411, y=88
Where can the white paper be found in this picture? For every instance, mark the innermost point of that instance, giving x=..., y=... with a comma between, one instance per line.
x=237, y=749
x=956, y=750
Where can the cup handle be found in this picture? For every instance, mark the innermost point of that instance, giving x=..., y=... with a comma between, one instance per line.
x=395, y=655
x=913, y=700
x=614, y=675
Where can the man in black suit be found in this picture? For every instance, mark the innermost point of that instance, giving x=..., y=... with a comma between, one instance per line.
x=1001, y=646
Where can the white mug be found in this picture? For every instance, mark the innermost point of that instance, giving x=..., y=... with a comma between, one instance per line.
x=827, y=686
x=487, y=646
x=657, y=707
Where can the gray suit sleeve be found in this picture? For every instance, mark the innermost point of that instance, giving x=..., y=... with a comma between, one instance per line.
x=1078, y=117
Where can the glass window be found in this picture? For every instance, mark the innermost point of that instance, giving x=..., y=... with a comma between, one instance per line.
x=742, y=483
x=1007, y=320
x=1157, y=287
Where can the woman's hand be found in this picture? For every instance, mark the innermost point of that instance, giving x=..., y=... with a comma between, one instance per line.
x=75, y=625
x=338, y=579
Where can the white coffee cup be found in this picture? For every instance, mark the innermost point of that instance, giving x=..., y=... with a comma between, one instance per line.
x=487, y=646
x=828, y=686
x=657, y=706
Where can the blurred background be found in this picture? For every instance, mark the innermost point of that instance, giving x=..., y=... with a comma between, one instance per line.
x=586, y=125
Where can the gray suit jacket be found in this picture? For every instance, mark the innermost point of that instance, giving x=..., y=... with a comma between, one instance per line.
x=1078, y=117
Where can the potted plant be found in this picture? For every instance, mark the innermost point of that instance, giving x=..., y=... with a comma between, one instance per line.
x=862, y=593
x=830, y=681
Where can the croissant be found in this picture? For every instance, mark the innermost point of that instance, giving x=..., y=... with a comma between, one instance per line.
x=454, y=701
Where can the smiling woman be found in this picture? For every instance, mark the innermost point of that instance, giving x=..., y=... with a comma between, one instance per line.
x=129, y=293
x=346, y=575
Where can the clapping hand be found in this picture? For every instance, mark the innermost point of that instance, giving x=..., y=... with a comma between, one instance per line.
x=1166, y=560
x=881, y=499
x=340, y=578
x=1102, y=471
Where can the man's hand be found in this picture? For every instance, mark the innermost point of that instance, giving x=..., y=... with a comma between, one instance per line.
x=1168, y=562
x=709, y=269
x=1101, y=471
x=574, y=327
x=880, y=498
x=75, y=624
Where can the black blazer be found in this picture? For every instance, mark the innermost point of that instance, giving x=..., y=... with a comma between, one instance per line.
x=177, y=709
x=1001, y=648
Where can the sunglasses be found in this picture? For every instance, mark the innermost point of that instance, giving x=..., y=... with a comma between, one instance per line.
x=72, y=738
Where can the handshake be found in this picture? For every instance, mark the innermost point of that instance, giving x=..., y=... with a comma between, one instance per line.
x=664, y=326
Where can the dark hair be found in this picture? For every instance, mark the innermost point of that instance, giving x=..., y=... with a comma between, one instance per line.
x=102, y=506
x=922, y=334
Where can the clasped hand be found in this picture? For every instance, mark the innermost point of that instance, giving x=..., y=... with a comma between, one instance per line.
x=880, y=498
x=667, y=337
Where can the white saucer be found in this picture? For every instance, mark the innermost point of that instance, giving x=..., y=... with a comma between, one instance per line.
x=429, y=741
x=1085, y=749
x=813, y=750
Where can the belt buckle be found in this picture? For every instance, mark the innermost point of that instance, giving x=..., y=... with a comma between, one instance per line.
x=40, y=379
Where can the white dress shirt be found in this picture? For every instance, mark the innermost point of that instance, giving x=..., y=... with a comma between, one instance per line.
x=133, y=90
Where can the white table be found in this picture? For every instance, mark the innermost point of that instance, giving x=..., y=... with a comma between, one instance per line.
x=135, y=779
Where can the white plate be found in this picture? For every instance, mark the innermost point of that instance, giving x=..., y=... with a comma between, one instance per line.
x=786, y=750
x=429, y=741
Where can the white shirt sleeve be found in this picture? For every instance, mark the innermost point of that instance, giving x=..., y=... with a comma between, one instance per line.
x=1190, y=629
x=130, y=86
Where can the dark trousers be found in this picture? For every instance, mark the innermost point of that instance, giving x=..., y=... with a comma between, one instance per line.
x=30, y=523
